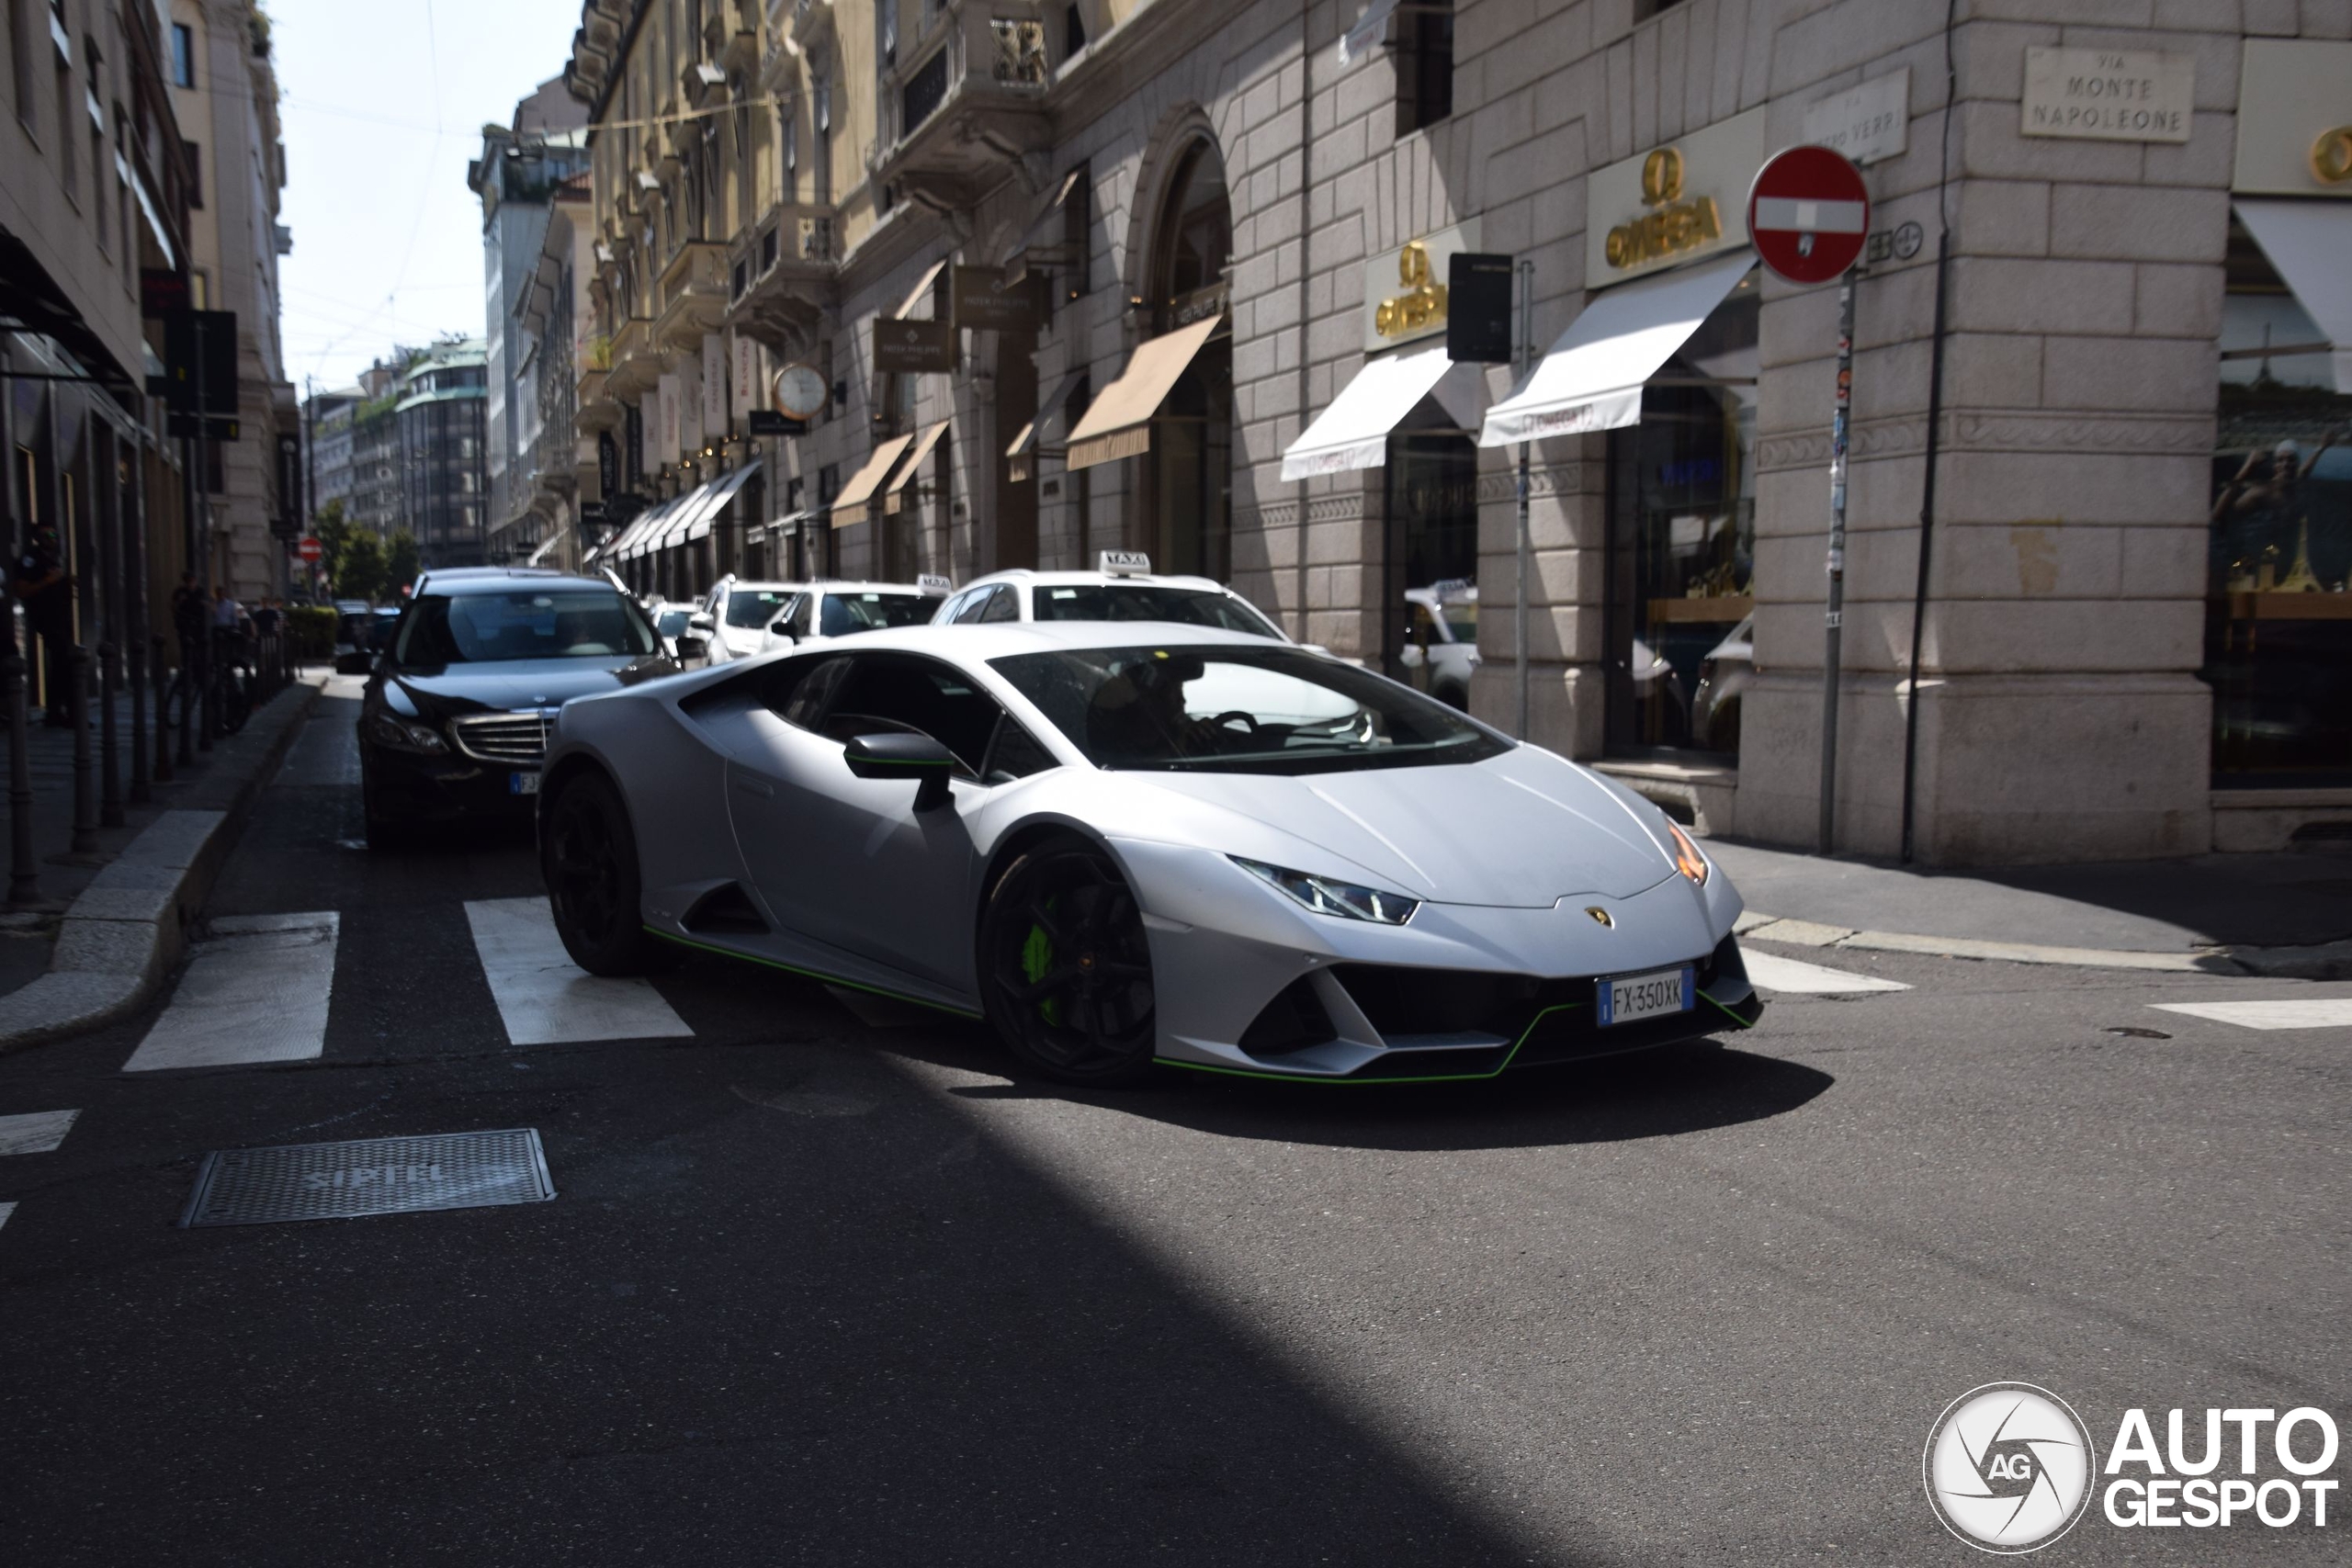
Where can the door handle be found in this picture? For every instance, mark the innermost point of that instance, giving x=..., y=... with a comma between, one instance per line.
x=755, y=786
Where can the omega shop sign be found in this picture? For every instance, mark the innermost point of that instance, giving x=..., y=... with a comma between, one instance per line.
x=1405, y=289
x=1672, y=204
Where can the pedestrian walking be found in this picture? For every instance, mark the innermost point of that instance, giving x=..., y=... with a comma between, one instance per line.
x=46, y=591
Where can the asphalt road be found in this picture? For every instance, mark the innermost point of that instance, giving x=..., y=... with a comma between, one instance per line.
x=823, y=1289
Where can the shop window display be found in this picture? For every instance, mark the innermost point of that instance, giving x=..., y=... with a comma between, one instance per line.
x=2279, y=604
x=1682, y=544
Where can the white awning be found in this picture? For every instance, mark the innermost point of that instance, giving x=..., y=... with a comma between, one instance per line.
x=623, y=544
x=546, y=547
x=1353, y=431
x=2308, y=243
x=1369, y=31
x=1591, y=380
x=682, y=512
x=717, y=494
x=650, y=526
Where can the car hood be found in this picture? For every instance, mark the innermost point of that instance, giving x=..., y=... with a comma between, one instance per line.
x=524, y=684
x=1522, y=830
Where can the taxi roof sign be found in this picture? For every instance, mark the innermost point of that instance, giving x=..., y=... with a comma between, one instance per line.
x=1122, y=563
x=931, y=582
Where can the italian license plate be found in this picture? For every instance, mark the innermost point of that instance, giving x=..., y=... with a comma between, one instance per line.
x=522, y=783
x=1630, y=997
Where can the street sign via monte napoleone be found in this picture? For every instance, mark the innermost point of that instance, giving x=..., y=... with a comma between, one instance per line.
x=1808, y=214
x=310, y=550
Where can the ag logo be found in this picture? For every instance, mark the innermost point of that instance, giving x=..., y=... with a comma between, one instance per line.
x=2008, y=1468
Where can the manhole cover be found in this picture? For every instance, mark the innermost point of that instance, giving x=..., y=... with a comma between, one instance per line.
x=370, y=1176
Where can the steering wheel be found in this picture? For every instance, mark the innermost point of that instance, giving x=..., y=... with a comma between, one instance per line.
x=1248, y=720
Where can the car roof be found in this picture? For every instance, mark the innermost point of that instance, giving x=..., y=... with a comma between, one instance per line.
x=504, y=583
x=762, y=586
x=828, y=585
x=1036, y=579
x=996, y=639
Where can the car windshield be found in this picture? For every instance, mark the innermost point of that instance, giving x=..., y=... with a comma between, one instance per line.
x=482, y=628
x=846, y=613
x=751, y=607
x=1250, y=710
x=1148, y=602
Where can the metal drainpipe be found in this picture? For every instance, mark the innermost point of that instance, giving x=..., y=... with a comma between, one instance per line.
x=1305, y=222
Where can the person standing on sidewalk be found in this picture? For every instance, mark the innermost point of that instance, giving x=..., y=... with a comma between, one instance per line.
x=47, y=593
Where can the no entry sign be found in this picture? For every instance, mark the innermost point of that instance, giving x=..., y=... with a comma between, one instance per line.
x=310, y=550
x=1808, y=214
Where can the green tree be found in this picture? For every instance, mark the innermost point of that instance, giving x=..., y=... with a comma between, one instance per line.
x=401, y=562
x=360, y=573
x=333, y=531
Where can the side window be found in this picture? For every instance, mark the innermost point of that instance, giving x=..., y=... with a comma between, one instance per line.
x=1004, y=604
x=887, y=691
x=802, y=688
x=1015, y=754
x=976, y=605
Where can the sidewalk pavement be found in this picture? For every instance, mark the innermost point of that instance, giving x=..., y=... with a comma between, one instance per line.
x=111, y=923
x=2275, y=914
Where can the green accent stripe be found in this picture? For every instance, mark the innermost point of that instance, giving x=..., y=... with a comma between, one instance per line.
x=817, y=975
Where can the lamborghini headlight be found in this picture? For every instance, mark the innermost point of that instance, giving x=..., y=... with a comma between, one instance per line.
x=1326, y=896
x=1687, y=858
x=405, y=735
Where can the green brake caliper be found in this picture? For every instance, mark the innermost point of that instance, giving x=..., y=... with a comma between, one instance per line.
x=1036, y=960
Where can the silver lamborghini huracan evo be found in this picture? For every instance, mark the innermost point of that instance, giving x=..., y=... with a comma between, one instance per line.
x=1135, y=843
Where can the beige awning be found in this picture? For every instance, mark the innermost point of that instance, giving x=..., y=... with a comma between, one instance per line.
x=1119, y=422
x=895, y=493
x=859, y=491
x=922, y=291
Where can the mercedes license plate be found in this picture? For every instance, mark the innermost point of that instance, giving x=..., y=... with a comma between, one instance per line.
x=522, y=783
x=1629, y=997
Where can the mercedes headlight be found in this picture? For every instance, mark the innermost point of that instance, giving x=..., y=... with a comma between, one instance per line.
x=1326, y=896
x=405, y=736
x=1687, y=858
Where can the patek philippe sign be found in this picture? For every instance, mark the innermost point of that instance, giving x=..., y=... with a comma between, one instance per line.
x=2108, y=95
x=1866, y=123
x=1405, y=289
x=1672, y=204
x=913, y=347
x=2294, y=119
x=983, y=301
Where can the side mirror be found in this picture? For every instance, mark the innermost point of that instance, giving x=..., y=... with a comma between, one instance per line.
x=701, y=623
x=916, y=759
x=692, y=648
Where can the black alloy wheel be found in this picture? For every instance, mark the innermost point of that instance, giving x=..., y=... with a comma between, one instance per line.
x=588, y=855
x=1066, y=966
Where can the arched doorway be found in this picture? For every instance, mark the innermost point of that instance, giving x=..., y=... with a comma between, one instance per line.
x=1188, y=473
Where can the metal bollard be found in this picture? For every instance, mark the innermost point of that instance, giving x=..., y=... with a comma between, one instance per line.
x=160, y=673
x=189, y=675
x=24, y=869
x=135, y=680
x=207, y=704
x=86, y=796
x=109, y=749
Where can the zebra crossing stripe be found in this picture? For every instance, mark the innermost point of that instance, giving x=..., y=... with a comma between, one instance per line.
x=35, y=1132
x=1771, y=972
x=257, y=991
x=547, y=999
x=2301, y=1012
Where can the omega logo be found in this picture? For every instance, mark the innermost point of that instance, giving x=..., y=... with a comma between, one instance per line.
x=1423, y=303
x=2332, y=155
x=1672, y=225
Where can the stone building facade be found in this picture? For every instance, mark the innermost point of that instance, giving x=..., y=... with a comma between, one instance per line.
x=1202, y=238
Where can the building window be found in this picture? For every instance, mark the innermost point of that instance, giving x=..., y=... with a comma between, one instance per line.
x=925, y=91
x=1644, y=9
x=767, y=250
x=1073, y=31
x=183, y=56
x=195, y=174
x=1424, y=64
x=2279, y=551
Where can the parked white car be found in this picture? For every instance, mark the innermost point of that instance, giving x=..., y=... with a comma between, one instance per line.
x=740, y=614
x=824, y=611
x=1123, y=589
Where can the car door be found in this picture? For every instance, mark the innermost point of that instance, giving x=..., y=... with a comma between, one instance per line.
x=850, y=862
